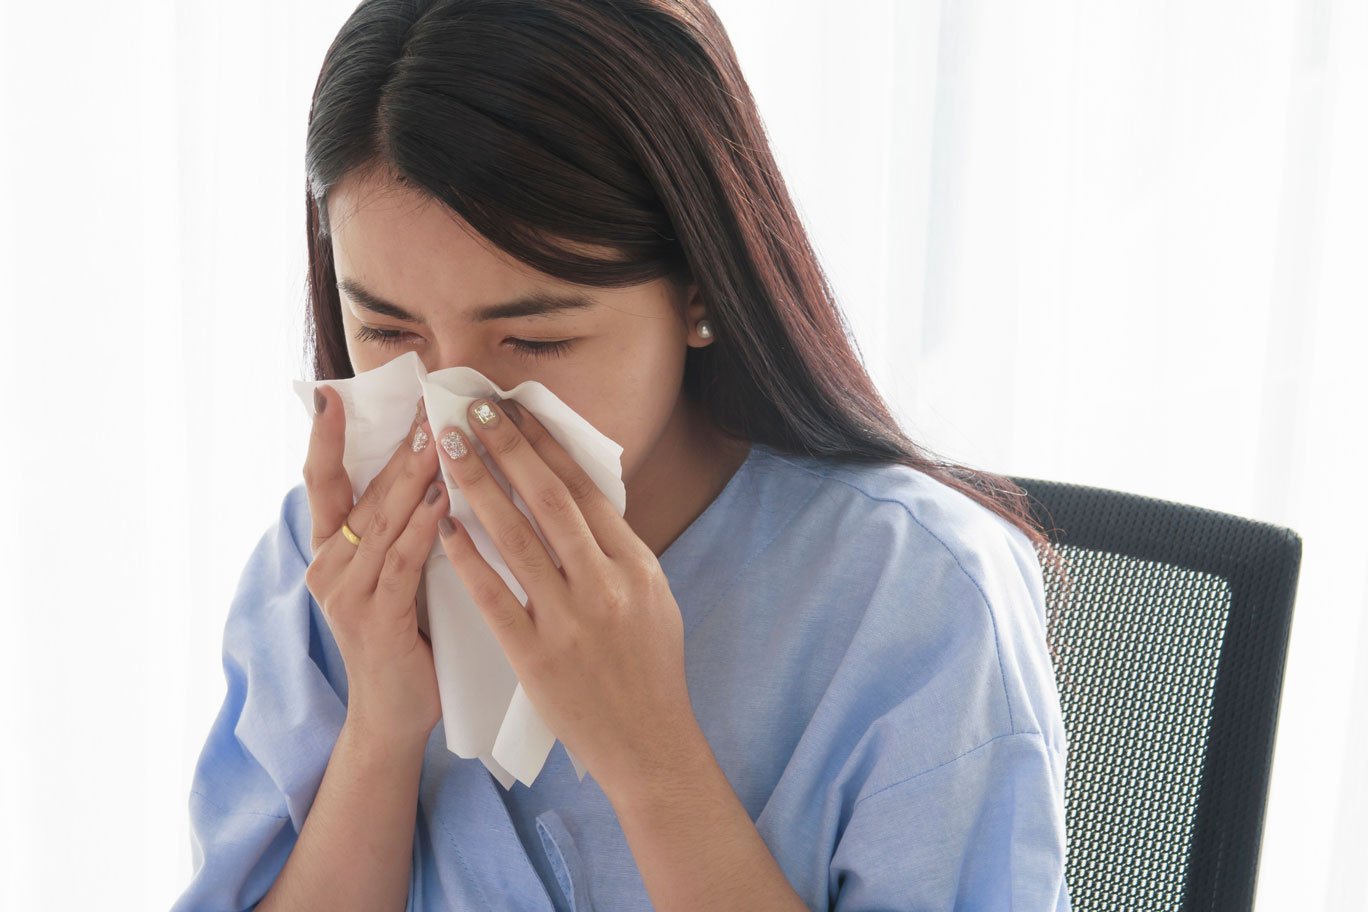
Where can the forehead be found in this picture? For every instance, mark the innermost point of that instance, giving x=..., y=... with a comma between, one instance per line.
x=384, y=231
x=412, y=250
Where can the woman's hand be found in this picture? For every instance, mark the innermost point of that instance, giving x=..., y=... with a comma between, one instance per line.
x=367, y=591
x=599, y=647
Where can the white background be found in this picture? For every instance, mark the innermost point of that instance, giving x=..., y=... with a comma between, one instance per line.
x=1119, y=243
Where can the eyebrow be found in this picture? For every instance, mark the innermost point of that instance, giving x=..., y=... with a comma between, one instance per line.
x=537, y=304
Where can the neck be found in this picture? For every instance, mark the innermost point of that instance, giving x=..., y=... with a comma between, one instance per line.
x=690, y=464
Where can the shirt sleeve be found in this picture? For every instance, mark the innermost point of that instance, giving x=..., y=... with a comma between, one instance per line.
x=267, y=749
x=977, y=827
x=984, y=831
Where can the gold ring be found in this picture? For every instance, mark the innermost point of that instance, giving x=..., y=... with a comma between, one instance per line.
x=350, y=535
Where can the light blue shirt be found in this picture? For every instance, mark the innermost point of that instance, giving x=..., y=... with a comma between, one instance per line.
x=865, y=651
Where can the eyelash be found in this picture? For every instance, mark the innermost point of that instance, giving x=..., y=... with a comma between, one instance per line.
x=522, y=346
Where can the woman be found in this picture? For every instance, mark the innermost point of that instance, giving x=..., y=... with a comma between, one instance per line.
x=806, y=669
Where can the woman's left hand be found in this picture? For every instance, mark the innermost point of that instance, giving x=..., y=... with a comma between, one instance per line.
x=599, y=648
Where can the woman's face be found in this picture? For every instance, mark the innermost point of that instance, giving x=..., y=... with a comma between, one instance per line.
x=618, y=360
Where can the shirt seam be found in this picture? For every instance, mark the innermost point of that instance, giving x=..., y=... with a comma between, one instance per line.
x=471, y=879
x=992, y=617
x=932, y=769
x=223, y=810
x=564, y=879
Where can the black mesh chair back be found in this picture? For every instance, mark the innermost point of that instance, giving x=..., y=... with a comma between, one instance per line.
x=1169, y=629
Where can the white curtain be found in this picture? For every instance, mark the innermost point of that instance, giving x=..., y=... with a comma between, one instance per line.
x=1117, y=243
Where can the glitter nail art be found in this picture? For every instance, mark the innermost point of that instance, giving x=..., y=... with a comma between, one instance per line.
x=453, y=444
x=420, y=439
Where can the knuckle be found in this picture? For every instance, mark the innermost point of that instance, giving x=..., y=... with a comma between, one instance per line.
x=580, y=486
x=370, y=498
x=557, y=500
x=516, y=539
x=505, y=620
x=641, y=567
x=469, y=471
x=395, y=572
x=390, y=583
x=396, y=562
x=534, y=571
x=533, y=435
x=379, y=523
x=487, y=592
x=508, y=443
x=617, y=599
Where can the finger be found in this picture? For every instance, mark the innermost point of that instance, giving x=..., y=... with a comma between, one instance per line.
x=329, y=489
x=417, y=464
x=397, y=584
x=331, y=551
x=552, y=505
x=509, y=528
x=512, y=625
x=375, y=492
x=611, y=531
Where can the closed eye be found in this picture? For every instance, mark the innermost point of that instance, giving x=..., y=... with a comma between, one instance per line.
x=526, y=347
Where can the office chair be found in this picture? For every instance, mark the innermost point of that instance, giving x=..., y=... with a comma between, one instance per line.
x=1169, y=635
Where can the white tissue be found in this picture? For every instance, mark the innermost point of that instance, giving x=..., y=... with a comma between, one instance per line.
x=485, y=712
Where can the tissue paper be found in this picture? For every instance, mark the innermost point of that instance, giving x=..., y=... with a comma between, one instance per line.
x=485, y=712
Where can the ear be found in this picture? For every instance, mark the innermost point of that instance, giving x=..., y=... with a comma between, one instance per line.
x=694, y=310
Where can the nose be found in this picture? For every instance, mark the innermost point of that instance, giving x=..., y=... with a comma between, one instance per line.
x=457, y=354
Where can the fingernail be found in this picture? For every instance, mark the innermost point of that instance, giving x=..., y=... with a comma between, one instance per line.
x=420, y=413
x=453, y=444
x=320, y=402
x=445, y=527
x=420, y=439
x=512, y=410
x=485, y=413
x=432, y=492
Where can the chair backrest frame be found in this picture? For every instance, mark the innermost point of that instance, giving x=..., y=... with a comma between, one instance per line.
x=1261, y=563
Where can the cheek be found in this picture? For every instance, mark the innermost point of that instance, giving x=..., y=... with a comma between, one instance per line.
x=631, y=398
x=611, y=406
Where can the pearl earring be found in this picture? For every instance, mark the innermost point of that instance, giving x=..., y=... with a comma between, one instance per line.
x=705, y=329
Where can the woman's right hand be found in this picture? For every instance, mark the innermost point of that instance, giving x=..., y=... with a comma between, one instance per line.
x=367, y=591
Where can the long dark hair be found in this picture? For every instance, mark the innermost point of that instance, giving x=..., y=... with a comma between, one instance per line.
x=626, y=124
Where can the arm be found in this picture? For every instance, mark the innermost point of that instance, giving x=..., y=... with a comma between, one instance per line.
x=355, y=846
x=693, y=841
x=355, y=849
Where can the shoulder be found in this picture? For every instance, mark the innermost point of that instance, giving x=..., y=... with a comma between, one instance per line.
x=282, y=549
x=278, y=651
x=269, y=743
x=274, y=624
x=944, y=599
x=908, y=525
x=277, y=563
